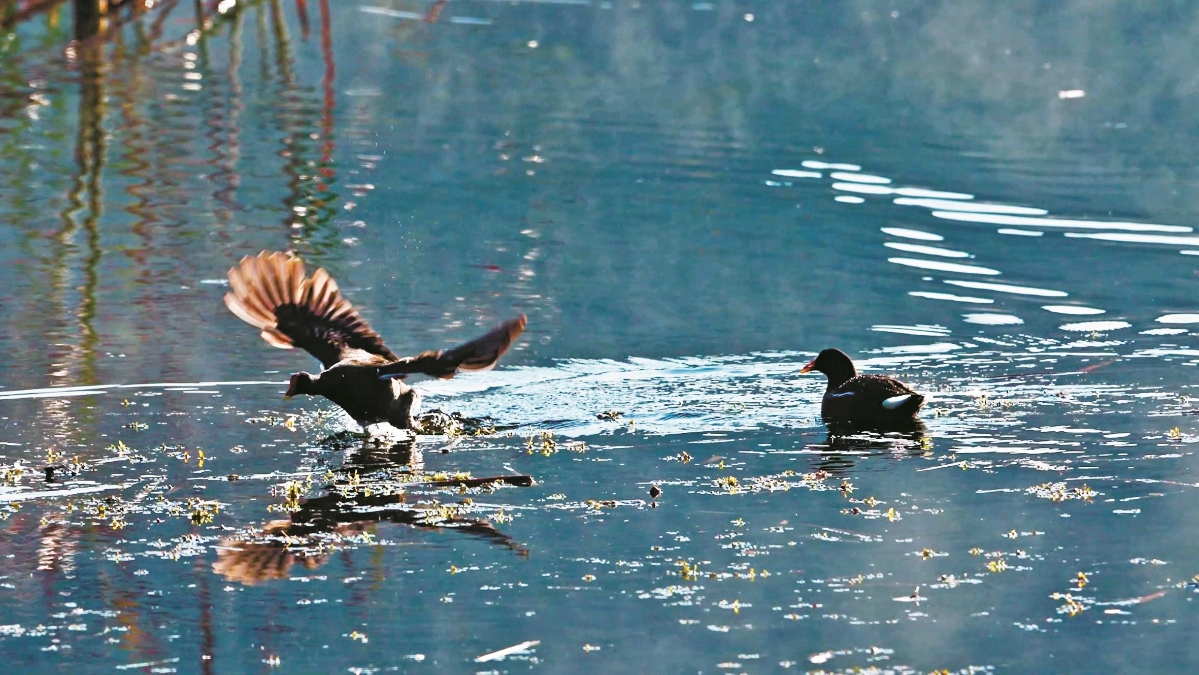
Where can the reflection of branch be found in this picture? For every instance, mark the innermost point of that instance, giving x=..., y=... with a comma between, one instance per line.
x=30, y=10
x=435, y=11
x=282, y=46
x=330, y=94
x=164, y=11
x=302, y=11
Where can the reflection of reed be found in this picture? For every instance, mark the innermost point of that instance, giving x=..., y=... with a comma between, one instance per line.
x=207, y=628
x=91, y=18
x=305, y=121
x=310, y=201
x=96, y=18
x=56, y=549
x=224, y=131
x=128, y=88
x=90, y=158
x=302, y=13
x=137, y=150
x=329, y=99
x=76, y=363
x=135, y=88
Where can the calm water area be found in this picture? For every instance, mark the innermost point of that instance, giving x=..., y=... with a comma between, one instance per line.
x=995, y=201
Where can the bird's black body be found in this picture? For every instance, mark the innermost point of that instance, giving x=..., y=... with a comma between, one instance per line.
x=854, y=401
x=271, y=292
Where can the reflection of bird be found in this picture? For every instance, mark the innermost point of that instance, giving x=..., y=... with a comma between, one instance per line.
x=271, y=292
x=250, y=562
x=862, y=401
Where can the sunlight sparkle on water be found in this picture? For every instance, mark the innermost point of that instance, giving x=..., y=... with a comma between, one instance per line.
x=937, y=265
x=1071, y=309
x=817, y=164
x=1138, y=238
x=1008, y=288
x=999, y=219
x=951, y=297
x=1088, y=326
x=922, y=330
x=992, y=319
x=972, y=207
x=926, y=250
x=912, y=234
x=1178, y=318
x=863, y=188
x=795, y=173
x=859, y=178
x=931, y=194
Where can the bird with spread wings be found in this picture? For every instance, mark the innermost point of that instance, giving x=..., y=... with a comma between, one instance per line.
x=271, y=292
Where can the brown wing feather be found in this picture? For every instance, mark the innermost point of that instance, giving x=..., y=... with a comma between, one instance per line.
x=478, y=355
x=271, y=292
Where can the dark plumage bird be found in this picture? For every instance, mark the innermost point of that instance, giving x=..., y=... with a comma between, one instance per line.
x=271, y=292
x=862, y=401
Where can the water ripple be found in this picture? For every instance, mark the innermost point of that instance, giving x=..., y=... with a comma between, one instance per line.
x=939, y=266
x=998, y=219
x=1008, y=288
x=912, y=234
x=926, y=250
x=971, y=207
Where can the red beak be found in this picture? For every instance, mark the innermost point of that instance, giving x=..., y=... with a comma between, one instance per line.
x=808, y=368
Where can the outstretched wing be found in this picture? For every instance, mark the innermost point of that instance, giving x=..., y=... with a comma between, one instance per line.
x=271, y=292
x=478, y=355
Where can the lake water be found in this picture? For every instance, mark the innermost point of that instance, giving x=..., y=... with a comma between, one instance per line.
x=688, y=200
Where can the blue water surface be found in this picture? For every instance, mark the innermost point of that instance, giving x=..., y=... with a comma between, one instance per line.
x=994, y=201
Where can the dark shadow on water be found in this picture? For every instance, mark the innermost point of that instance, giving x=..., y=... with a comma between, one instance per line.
x=324, y=525
x=432, y=423
x=906, y=427
x=841, y=451
x=371, y=486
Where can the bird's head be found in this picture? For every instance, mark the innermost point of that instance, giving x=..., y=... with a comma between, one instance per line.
x=300, y=383
x=834, y=363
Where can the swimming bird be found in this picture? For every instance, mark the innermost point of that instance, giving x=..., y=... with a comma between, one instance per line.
x=862, y=401
x=271, y=292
